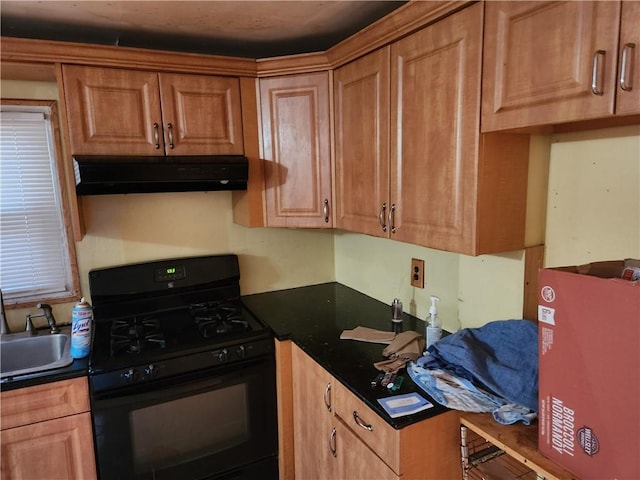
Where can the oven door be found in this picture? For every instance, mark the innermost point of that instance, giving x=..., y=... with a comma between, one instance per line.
x=214, y=424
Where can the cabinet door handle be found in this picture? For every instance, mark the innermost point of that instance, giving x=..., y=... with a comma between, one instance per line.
x=327, y=400
x=332, y=442
x=360, y=423
x=325, y=210
x=156, y=136
x=381, y=217
x=170, y=129
x=596, y=72
x=392, y=218
x=626, y=70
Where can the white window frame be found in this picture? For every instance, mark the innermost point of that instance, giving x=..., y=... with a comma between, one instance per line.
x=68, y=288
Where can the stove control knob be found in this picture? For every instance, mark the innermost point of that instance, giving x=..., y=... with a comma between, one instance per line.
x=131, y=376
x=223, y=355
x=151, y=371
x=240, y=352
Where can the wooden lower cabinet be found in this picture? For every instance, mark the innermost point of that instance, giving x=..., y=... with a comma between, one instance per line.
x=46, y=432
x=329, y=444
x=61, y=448
x=312, y=419
x=355, y=460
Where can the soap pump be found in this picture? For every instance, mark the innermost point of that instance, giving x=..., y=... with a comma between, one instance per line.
x=433, y=324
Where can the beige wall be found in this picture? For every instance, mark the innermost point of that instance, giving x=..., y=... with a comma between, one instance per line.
x=584, y=204
x=134, y=228
x=593, y=213
x=594, y=197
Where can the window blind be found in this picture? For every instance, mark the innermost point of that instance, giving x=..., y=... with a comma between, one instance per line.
x=33, y=254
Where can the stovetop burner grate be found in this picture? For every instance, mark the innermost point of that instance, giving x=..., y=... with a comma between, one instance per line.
x=136, y=335
x=214, y=319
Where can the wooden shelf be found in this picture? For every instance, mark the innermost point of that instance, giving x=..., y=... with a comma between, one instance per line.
x=518, y=441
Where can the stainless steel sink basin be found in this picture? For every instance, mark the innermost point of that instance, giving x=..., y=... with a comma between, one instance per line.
x=20, y=355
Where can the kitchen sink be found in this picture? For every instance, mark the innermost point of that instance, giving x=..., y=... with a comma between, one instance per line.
x=20, y=355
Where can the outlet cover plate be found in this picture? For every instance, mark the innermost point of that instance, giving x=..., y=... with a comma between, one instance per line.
x=417, y=273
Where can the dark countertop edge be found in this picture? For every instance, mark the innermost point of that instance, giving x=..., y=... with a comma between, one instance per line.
x=79, y=368
x=287, y=334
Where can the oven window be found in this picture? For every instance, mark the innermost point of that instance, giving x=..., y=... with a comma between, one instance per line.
x=183, y=430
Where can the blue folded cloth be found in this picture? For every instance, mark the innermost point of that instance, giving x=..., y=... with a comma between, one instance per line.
x=491, y=368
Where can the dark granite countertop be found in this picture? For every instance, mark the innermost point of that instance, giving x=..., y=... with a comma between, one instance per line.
x=313, y=318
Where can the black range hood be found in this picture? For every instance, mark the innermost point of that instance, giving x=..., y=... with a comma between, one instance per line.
x=101, y=175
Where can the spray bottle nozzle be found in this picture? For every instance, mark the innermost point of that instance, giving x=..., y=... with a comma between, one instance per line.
x=433, y=308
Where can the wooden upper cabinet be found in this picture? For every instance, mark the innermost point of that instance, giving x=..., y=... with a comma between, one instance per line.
x=361, y=99
x=451, y=188
x=296, y=150
x=201, y=114
x=411, y=163
x=129, y=112
x=628, y=94
x=549, y=62
x=434, y=136
x=112, y=111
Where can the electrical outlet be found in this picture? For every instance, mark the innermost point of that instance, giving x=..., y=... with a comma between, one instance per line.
x=417, y=273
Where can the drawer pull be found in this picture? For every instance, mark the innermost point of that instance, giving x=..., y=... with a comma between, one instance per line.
x=392, y=218
x=156, y=136
x=170, y=129
x=360, y=423
x=332, y=442
x=381, y=217
x=327, y=399
x=596, y=72
x=626, y=71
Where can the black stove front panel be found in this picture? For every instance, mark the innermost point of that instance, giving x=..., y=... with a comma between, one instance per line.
x=147, y=338
x=155, y=311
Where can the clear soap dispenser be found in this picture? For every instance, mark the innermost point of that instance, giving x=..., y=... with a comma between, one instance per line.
x=433, y=323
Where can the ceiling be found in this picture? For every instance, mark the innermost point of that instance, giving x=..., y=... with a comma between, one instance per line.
x=252, y=29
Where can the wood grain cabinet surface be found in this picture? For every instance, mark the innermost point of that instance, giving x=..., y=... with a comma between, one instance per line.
x=548, y=63
x=411, y=164
x=312, y=418
x=361, y=92
x=329, y=442
x=130, y=112
x=296, y=140
x=47, y=433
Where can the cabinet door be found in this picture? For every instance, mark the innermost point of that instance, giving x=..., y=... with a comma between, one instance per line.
x=312, y=419
x=361, y=90
x=296, y=148
x=57, y=449
x=628, y=100
x=201, y=115
x=355, y=460
x=541, y=59
x=34, y=404
x=113, y=112
x=435, y=78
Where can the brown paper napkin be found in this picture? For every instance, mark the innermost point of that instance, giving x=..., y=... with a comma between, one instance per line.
x=365, y=334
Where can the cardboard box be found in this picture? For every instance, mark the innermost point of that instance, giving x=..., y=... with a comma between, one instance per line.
x=589, y=390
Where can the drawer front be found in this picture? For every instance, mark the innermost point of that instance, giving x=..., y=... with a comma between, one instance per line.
x=381, y=437
x=28, y=405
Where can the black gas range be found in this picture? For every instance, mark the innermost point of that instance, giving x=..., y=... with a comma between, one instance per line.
x=172, y=338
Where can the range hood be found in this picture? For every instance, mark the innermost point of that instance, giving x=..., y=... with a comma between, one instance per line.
x=101, y=175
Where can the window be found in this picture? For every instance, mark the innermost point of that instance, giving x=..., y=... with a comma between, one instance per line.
x=37, y=258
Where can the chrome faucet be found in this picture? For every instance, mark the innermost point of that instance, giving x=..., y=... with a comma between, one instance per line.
x=46, y=309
